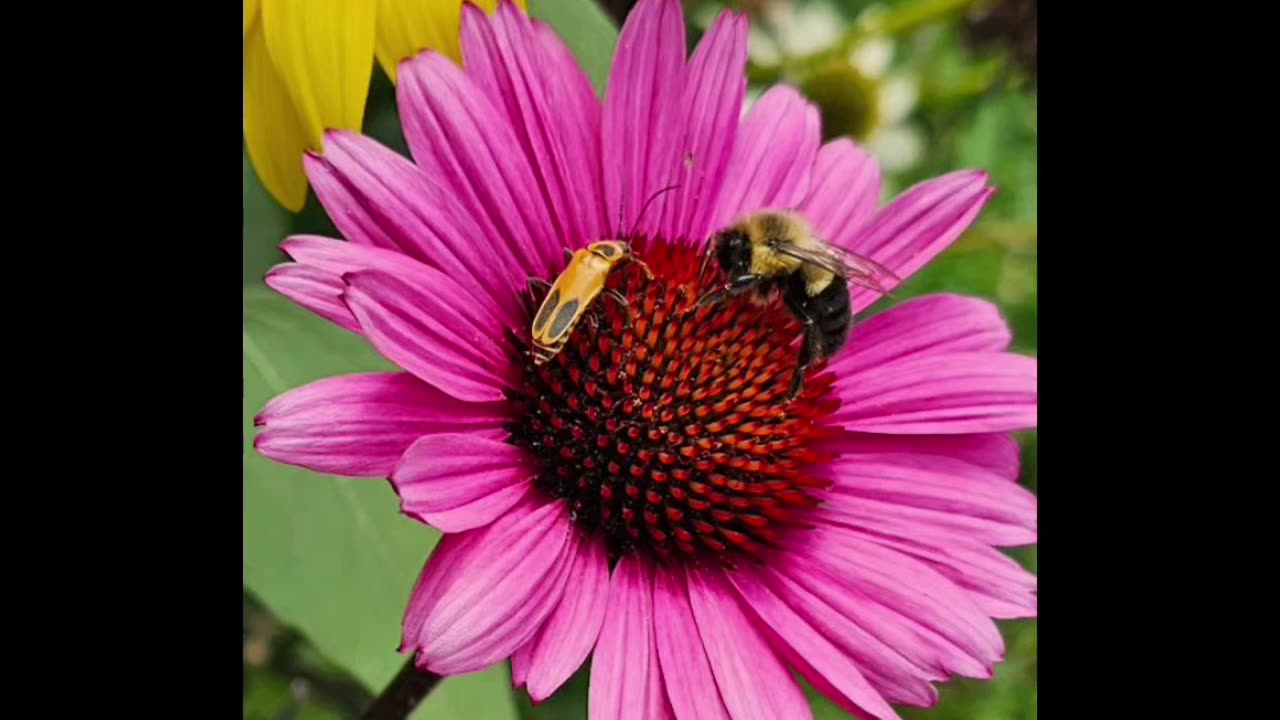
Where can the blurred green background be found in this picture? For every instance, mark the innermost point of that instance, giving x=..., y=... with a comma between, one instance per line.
x=928, y=85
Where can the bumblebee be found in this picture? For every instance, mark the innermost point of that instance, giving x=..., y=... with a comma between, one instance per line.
x=778, y=252
x=571, y=296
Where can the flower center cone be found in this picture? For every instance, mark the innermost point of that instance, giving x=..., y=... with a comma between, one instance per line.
x=668, y=431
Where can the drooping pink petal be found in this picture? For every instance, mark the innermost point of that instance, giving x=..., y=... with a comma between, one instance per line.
x=360, y=425
x=566, y=638
x=315, y=290
x=485, y=592
x=929, y=324
x=319, y=286
x=625, y=676
x=894, y=661
x=809, y=649
x=947, y=486
x=685, y=669
x=508, y=63
x=920, y=223
x=773, y=158
x=941, y=393
x=437, y=336
x=994, y=452
x=458, y=137
x=844, y=193
x=378, y=198
x=753, y=681
x=884, y=588
x=456, y=481
x=714, y=88
x=642, y=114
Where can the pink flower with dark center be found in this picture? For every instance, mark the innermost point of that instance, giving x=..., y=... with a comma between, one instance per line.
x=648, y=498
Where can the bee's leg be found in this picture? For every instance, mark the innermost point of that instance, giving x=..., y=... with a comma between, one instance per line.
x=809, y=351
x=568, y=255
x=736, y=286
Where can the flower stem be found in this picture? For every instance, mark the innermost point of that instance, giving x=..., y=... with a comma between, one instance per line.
x=897, y=21
x=401, y=696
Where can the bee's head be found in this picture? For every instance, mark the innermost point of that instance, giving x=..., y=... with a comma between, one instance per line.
x=733, y=251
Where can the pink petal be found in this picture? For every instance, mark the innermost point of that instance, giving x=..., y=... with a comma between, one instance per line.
x=360, y=425
x=928, y=324
x=773, y=158
x=566, y=639
x=715, y=84
x=460, y=139
x=753, y=681
x=994, y=452
x=941, y=393
x=920, y=223
x=485, y=592
x=894, y=517
x=844, y=193
x=508, y=62
x=806, y=647
x=886, y=655
x=315, y=290
x=899, y=655
x=435, y=335
x=625, y=677
x=685, y=669
x=999, y=586
x=946, y=486
x=378, y=198
x=642, y=114
x=457, y=481
x=918, y=595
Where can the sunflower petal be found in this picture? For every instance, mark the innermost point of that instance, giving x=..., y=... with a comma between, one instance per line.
x=323, y=50
x=272, y=134
x=407, y=27
x=251, y=8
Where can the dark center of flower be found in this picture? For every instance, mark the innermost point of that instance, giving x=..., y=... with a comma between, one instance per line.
x=669, y=432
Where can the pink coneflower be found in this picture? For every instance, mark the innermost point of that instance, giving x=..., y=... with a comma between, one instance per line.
x=648, y=498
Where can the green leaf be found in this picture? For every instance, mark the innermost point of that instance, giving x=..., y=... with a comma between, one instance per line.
x=265, y=224
x=586, y=29
x=333, y=557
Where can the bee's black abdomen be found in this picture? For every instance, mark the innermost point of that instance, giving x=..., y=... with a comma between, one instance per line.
x=830, y=310
x=833, y=316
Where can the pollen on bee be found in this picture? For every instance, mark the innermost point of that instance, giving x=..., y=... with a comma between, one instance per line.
x=666, y=431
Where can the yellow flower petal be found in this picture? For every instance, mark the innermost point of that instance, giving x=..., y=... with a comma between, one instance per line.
x=251, y=8
x=272, y=134
x=407, y=27
x=323, y=50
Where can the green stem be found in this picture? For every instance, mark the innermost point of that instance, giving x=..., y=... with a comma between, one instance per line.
x=897, y=21
x=401, y=697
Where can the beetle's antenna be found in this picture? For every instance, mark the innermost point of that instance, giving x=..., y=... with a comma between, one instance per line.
x=644, y=208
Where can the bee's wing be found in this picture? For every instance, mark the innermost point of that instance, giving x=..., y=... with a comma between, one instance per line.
x=847, y=264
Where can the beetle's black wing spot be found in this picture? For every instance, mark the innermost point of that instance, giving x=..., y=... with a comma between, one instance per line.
x=564, y=316
x=607, y=250
x=548, y=306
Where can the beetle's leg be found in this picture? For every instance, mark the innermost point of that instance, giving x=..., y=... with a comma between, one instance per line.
x=622, y=303
x=539, y=284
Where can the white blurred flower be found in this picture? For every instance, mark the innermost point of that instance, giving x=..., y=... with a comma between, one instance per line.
x=881, y=122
